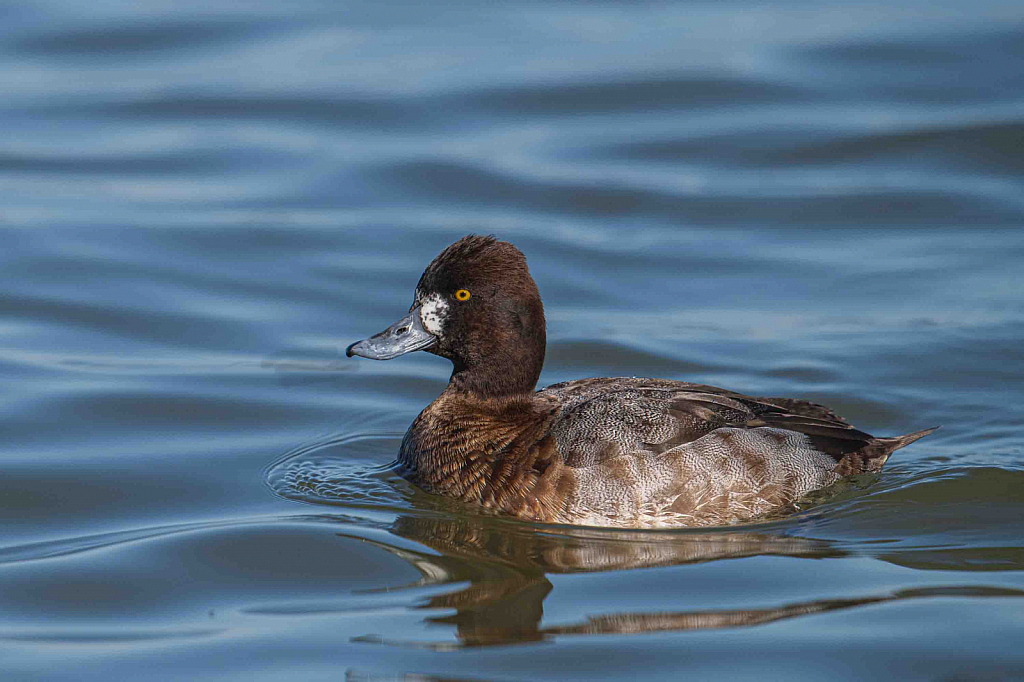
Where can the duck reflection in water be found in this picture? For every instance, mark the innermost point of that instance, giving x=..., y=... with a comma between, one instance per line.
x=507, y=569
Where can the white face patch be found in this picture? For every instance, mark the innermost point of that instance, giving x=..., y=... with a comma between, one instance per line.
x=433, y=311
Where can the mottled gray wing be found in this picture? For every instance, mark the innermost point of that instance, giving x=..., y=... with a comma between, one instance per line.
x=636, y=418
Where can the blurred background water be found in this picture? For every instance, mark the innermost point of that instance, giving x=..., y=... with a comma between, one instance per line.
x=201, y=204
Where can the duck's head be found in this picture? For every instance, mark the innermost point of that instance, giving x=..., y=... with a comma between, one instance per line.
x=477, y=305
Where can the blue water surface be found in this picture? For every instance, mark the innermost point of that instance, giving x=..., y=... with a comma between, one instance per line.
x=202, y=204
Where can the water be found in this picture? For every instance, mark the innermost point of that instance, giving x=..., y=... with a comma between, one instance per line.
x=203, y=204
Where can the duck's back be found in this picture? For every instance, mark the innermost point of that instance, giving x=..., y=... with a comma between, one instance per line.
x=651, y=452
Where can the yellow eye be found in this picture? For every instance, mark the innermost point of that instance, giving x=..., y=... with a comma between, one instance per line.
x=462, y=295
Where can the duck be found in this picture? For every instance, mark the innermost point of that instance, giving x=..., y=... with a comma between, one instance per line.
x=622, y=452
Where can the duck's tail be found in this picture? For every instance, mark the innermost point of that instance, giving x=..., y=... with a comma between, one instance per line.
x=875, y=454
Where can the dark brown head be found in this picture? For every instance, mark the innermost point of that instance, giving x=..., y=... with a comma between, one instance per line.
x=477, y=305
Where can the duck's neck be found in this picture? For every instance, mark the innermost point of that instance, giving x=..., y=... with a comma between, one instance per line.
x=510, y=387
x=503, y=378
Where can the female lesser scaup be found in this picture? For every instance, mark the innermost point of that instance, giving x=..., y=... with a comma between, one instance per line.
x=621, y=452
